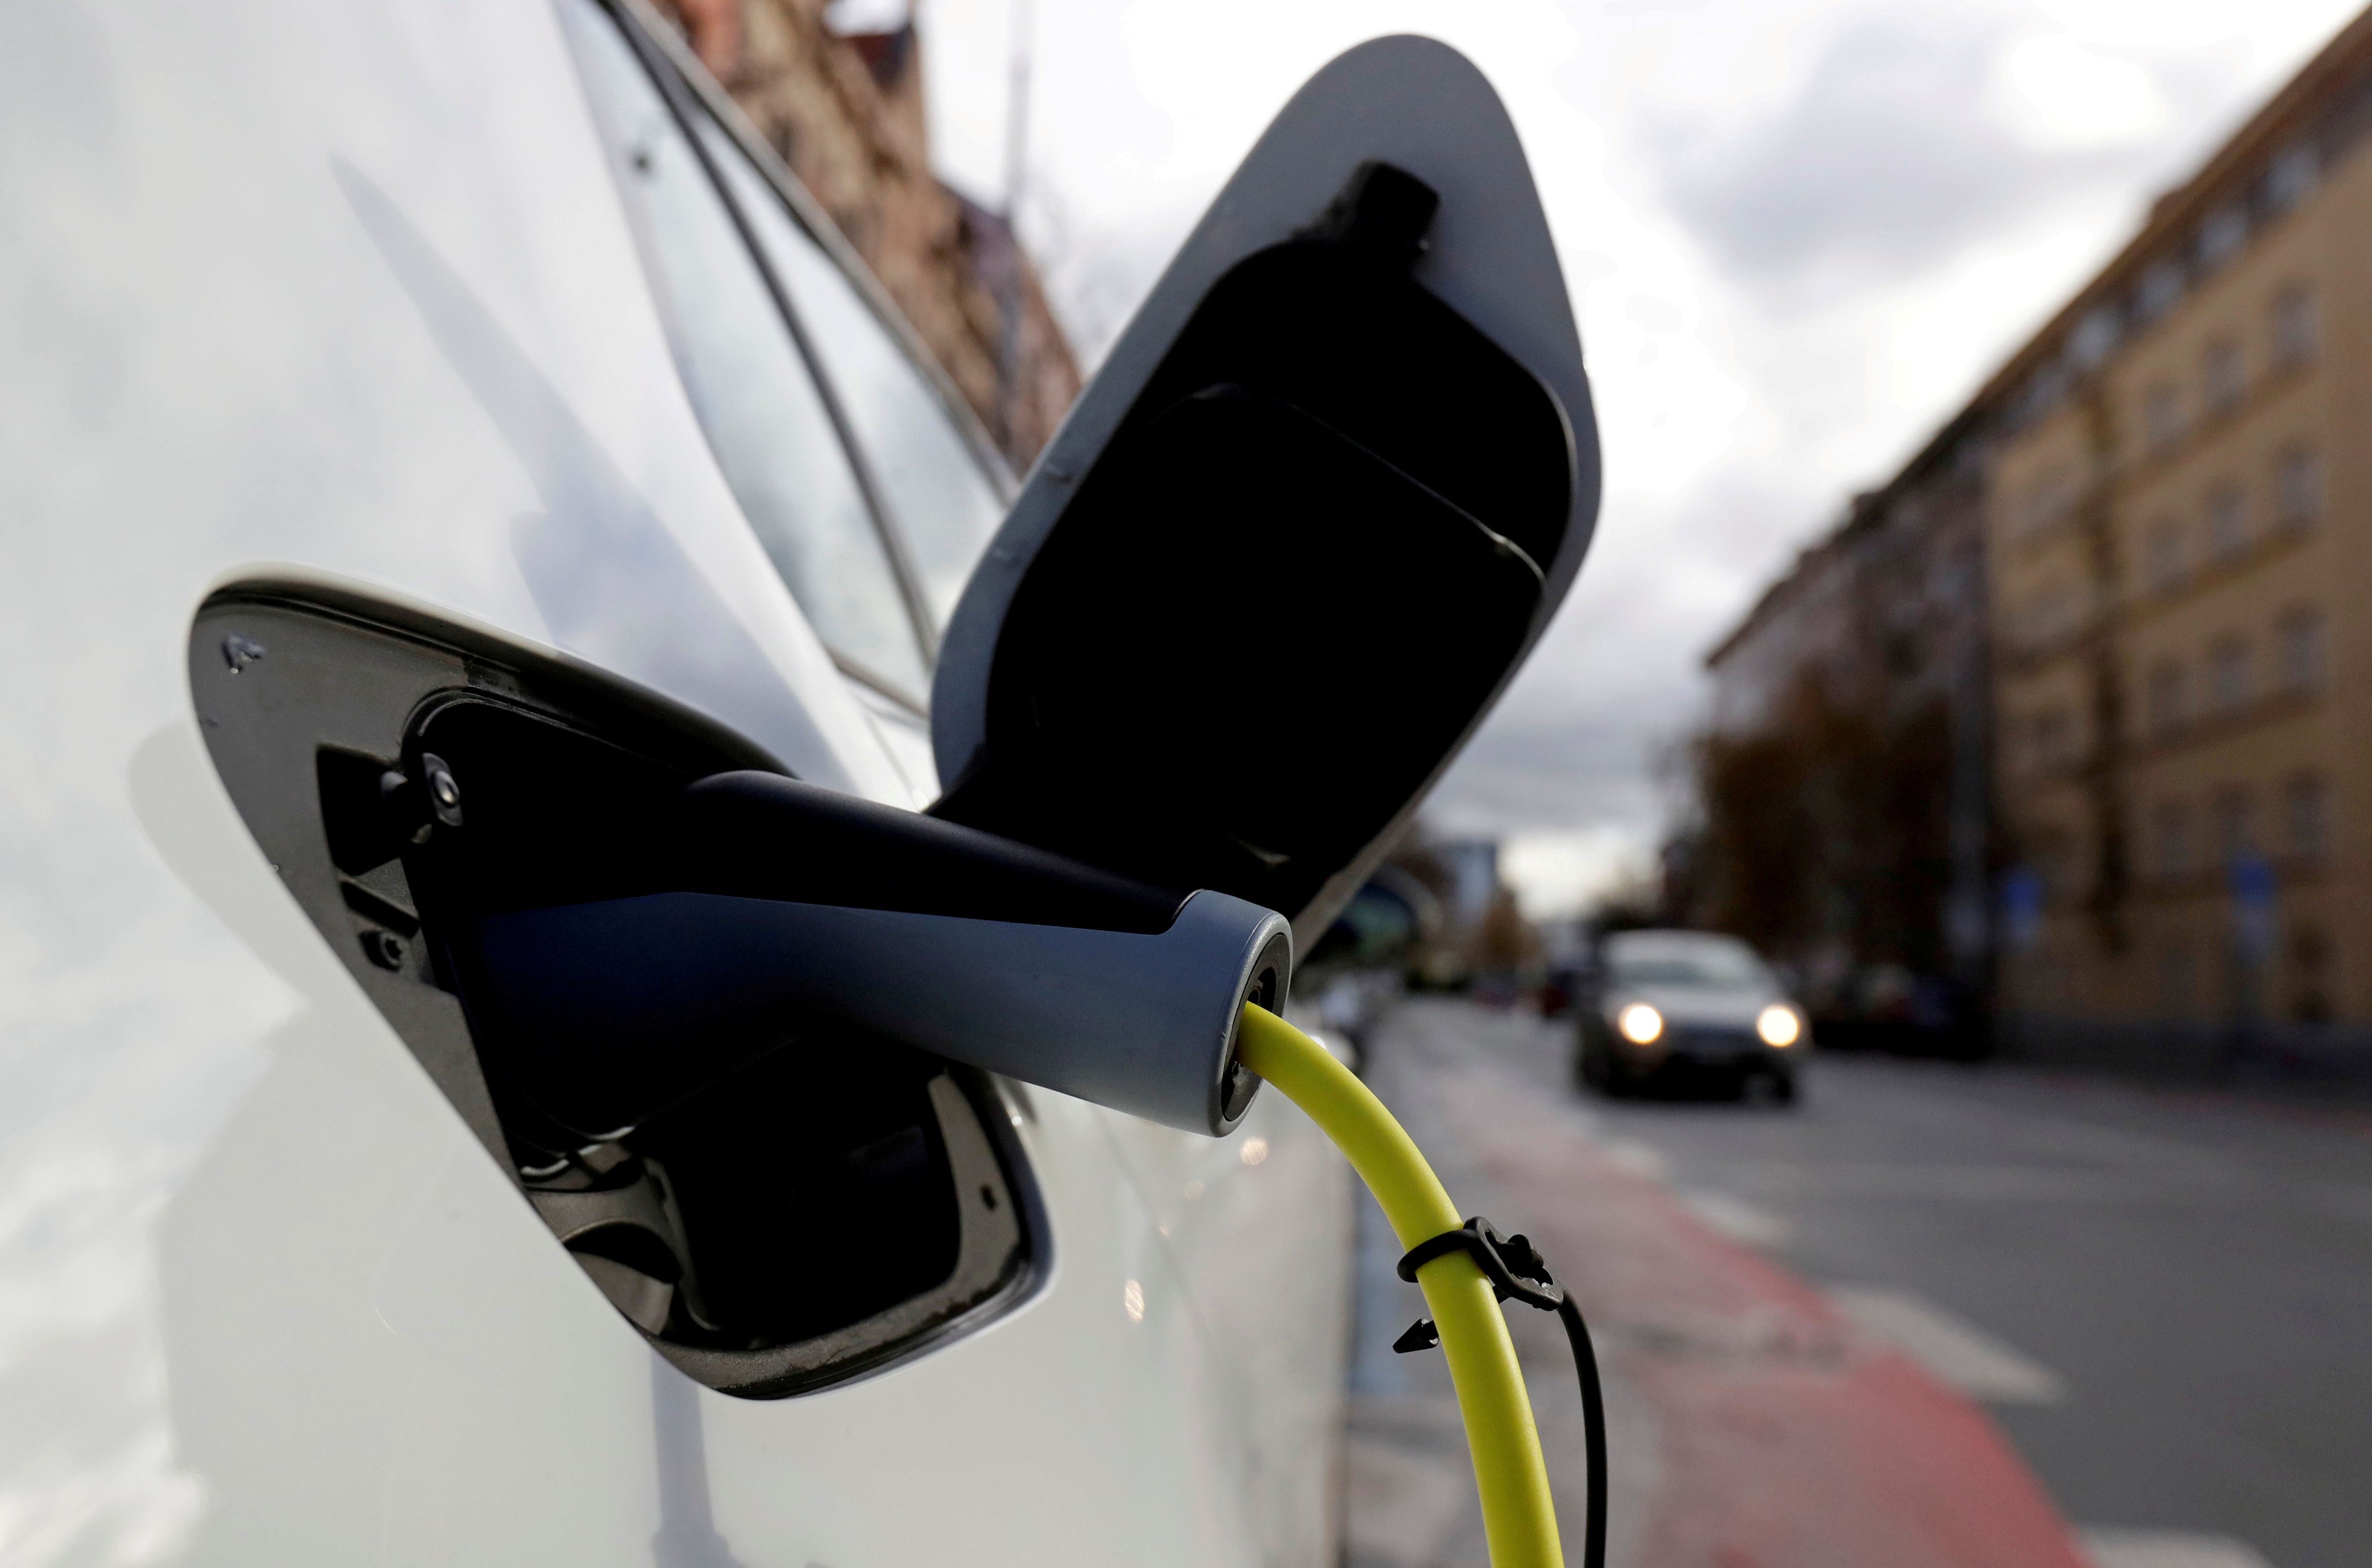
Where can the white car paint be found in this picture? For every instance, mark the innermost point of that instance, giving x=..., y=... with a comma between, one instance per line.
x=263, y=1297
x=344, y=293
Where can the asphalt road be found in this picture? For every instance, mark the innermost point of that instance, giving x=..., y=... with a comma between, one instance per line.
x=2163, y=1298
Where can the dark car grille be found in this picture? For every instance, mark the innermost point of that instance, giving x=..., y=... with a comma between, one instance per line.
x=1699, y=1040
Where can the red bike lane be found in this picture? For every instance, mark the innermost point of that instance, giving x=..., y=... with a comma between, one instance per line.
x=1788, y=1438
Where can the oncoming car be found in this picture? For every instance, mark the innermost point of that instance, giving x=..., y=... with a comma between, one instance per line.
x=1676, y=1006
x=439, y=440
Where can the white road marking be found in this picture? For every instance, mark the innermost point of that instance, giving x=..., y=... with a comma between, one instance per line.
x=1736, y=1219
x=2167, y=1549
x=1958, y=1354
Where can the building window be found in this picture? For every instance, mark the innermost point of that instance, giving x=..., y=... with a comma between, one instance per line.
x=2054, y=861
x=2236, y=826
x=2095, y=337
x=2039, y=396
x=2225, y=374
x=2052, y=497
x=2302, y=650
x=2293, y=325
x=2168, y=708
x=2291, y=179
x=2174, y=972
x=1951, y=578
x=2221, y=237
x=2162, y=416
x=2160, y=290
x=2054, y=740
x=2301, y=488
x=2162, y=556
x=2052, y=613
x=2227, y=522
x=2306, y=812
x=2170, y=841
x=2227, y=676
x=1903, y=653
x=2310, y=976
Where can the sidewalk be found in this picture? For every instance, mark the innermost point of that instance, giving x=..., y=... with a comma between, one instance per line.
x=1751, y=1424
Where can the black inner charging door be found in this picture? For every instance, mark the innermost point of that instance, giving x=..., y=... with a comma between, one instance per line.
x=1305, y=524
x=784, y=1218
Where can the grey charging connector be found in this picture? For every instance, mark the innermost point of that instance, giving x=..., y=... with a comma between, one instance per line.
x=772, y=911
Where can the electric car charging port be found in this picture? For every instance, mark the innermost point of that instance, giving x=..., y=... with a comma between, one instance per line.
x=1265, y=989
x=787, y=1229
x=775, y=1221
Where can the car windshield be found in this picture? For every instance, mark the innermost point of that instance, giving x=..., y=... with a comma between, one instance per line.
x=944, y=504
x=1707, y=962
x=750, y=384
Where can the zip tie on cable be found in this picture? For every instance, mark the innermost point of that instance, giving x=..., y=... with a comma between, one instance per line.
x=1464, y=1273
x=1519, y=1272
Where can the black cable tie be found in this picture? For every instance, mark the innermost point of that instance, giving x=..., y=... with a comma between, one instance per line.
x=1519, y=1272
x=1514, y=1267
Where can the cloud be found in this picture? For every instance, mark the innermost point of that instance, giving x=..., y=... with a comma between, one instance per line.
x=1918, y=133
x=1590, y=731
x=2057, y=91
x=1566, y=871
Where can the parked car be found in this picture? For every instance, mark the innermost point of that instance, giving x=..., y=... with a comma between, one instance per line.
x=1892, y=1007
x=433, y=437
x=1680, y=1008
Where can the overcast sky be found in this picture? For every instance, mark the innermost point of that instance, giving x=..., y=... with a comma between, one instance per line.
x=1799, y=233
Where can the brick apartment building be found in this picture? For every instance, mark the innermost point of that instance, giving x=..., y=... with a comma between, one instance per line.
x=2172, y=500
x=2180, y=530
x=1845, y=776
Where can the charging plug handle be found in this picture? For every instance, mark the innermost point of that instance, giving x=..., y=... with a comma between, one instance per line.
x=771, y=912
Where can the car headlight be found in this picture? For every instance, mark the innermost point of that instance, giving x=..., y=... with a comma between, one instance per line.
x=1779, y=1026
x=1640, y=1024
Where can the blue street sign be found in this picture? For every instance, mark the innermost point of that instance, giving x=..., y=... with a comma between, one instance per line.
x=2249, y=879
x=2021, y=906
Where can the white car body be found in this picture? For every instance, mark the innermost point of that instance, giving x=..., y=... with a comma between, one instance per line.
x=265, y=1298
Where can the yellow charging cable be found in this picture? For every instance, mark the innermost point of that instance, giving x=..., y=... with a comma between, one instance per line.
x=1518, y=1515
